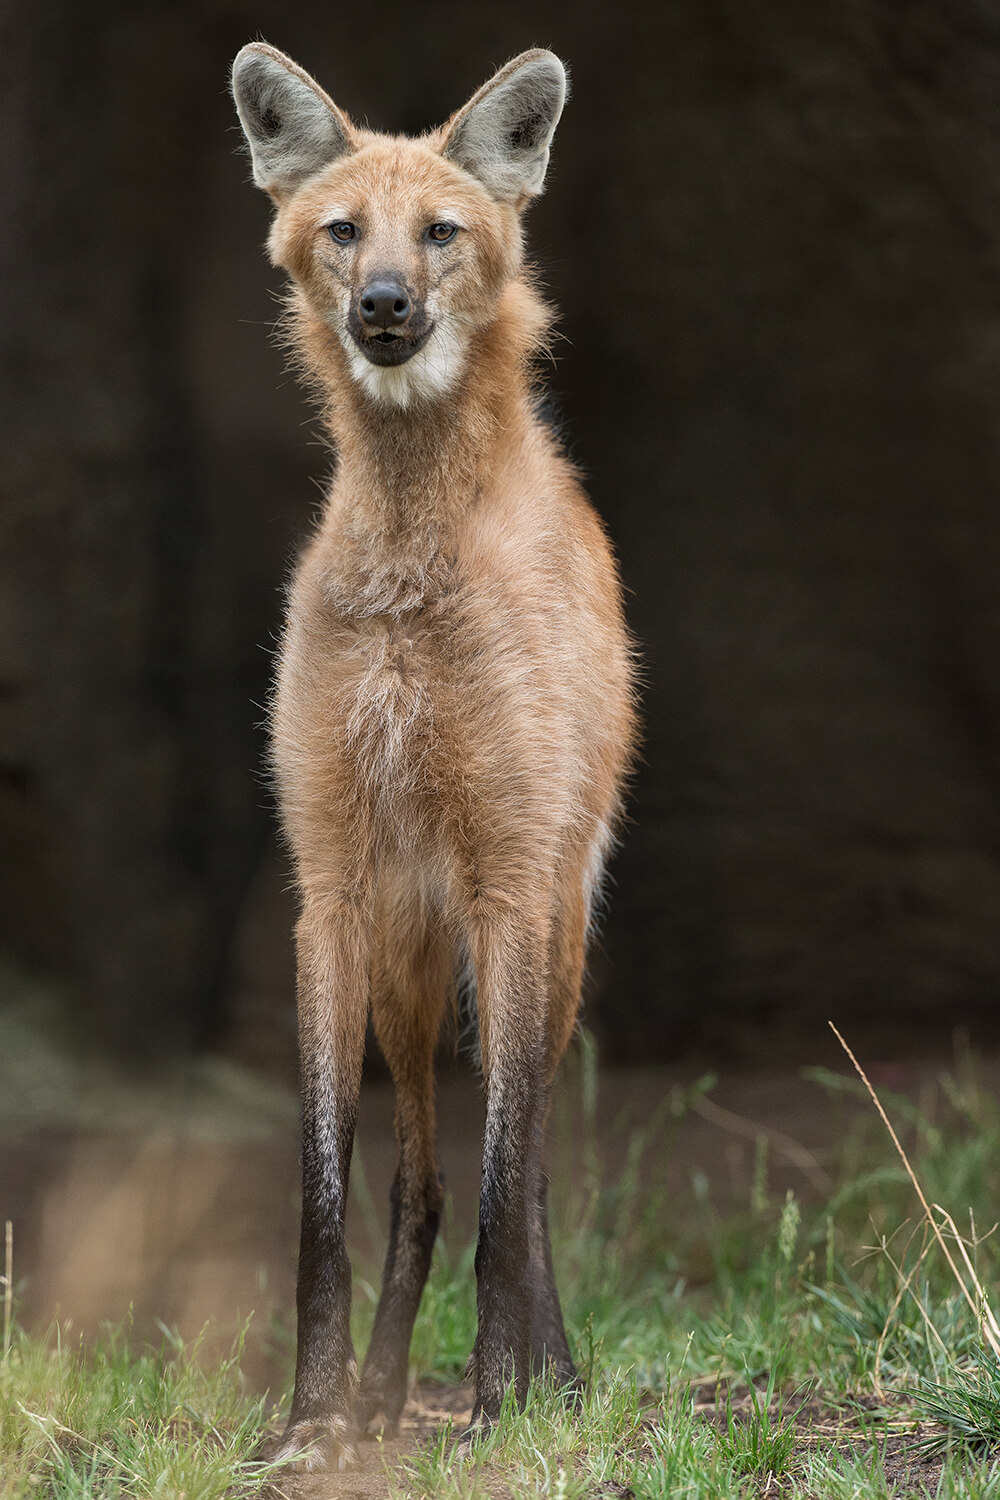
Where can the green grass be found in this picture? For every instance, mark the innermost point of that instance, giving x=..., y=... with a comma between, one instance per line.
x=109, y=1420
x=762, y=1343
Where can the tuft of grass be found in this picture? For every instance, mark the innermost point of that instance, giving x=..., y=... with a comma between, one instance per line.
x=108, y=1420
x=683, y=1466
x=835, y=1475
x=966, y=1407
x=759, y=1443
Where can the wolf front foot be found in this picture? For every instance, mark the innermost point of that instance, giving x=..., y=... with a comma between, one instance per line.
x=315, y=1446
x=480, y=1427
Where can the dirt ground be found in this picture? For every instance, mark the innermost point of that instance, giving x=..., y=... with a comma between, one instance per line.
x=430, y=1406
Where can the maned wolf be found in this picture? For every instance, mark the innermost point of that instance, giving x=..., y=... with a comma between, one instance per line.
x=454, y=708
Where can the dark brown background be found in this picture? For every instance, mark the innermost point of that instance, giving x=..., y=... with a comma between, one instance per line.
x=774, y=233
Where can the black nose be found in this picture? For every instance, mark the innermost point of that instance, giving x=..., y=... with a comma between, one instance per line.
x=384, y=303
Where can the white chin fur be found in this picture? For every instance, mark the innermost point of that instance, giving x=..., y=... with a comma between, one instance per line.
x=426, y=376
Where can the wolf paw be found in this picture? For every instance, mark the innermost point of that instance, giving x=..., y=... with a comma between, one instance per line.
x=315, y=1446
x=375, y=1421
x=480, y=1427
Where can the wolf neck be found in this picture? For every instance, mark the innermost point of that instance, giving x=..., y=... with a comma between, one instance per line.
x=408, y=474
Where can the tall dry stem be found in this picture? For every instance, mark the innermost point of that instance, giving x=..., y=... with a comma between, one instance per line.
x=988, y=1327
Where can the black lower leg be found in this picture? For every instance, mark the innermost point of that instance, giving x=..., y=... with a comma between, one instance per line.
x=416, y=1214
x=325, y=1369
x=503, y=1255
x=550, y=1352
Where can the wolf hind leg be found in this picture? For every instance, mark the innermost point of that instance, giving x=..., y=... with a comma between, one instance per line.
x=411, y=983
x=550, y=1351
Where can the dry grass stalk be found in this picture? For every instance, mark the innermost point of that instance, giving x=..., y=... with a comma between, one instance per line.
x=988, y=1327
x=986, y=1312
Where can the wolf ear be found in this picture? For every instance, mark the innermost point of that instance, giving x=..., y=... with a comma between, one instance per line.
x=502, y=135
x=293, y=128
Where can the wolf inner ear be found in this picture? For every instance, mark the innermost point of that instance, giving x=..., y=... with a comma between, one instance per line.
x=502, y=135
x=294, y=129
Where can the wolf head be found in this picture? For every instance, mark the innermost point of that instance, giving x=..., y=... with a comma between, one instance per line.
x=403, y=247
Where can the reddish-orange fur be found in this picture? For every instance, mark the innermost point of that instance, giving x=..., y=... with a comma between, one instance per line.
x=452, y=722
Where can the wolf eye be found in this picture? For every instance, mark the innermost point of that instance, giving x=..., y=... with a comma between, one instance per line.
x=442, y=233
x=342, y=231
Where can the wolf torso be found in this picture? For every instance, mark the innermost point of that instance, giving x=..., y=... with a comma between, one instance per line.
x=473, y=686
